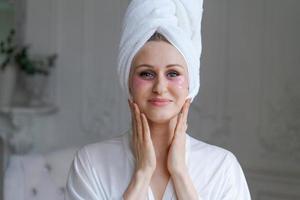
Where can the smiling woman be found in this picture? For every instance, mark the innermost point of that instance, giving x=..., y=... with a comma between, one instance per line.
x=157, y=85
x=157, y=159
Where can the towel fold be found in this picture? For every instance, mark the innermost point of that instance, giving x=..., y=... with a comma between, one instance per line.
x=178, y=20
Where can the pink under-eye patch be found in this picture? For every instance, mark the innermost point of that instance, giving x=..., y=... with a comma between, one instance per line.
x=179, y=82
x=138, y=81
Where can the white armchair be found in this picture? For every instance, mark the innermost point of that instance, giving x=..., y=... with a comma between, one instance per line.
x=38, y=177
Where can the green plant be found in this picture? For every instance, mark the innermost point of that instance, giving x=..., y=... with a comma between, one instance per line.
x=18, y=55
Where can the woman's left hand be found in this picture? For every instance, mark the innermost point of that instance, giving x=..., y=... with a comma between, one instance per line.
x=176, y=156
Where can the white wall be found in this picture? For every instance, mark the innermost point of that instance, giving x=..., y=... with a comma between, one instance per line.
x=6, y=19
x=250, y=89
x=85, y=35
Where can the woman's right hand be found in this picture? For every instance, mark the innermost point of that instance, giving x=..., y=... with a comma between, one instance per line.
x=144, y=154
x=141, y=140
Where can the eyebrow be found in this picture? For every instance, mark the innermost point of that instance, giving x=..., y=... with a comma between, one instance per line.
x=147, y=65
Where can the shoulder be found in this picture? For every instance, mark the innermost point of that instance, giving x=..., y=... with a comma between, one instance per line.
x=112, y=144
x=210, y=151
x=94, y=163
x=211, y=156
x=218, y=168
x=102, y=152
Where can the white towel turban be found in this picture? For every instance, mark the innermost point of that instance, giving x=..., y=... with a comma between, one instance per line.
x=178, y=20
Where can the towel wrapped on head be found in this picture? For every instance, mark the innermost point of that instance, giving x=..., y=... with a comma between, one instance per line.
x=179, y=21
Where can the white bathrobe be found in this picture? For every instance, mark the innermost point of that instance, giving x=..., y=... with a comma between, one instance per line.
x=104, y=170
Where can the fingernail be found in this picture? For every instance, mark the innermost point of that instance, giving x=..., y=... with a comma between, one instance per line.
x=130, y=104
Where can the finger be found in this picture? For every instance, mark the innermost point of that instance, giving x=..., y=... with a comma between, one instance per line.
x=179, y=123
x=138, y=121
x=186, y=113
x=186, y=107
x=132, y=115
x=146, y=128
x=133, y=123
x=130, y=108
x=185, y=110
x=185, y=127
x=133, y=126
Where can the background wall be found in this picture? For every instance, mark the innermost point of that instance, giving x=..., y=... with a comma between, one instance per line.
x=11, y=14
x=249, y=101
x=6, y=19
x=85, y=35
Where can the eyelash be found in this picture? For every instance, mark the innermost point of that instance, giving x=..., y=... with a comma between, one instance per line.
x=147, y=74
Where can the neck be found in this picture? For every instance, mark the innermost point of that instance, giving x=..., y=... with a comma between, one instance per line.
x=162, y=136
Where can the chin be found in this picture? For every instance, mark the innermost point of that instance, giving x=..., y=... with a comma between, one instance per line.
x=160, y=118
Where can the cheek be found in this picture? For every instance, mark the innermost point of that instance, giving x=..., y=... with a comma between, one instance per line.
x=138, y=83
x=180, y=83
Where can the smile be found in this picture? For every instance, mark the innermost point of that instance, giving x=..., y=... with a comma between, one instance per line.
x=159, y=101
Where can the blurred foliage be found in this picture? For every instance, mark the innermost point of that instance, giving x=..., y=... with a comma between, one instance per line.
x=18, y=55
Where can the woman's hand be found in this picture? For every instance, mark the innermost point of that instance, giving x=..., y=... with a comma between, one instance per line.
x=176, y=156
x=183, y=183
x=144, y=153
x=141, y=140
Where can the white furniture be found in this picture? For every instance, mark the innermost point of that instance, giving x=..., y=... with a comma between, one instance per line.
x=38, y=177
x=21, y=139
x=6, y=128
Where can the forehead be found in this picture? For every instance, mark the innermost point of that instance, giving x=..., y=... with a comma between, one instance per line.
x=160, y=54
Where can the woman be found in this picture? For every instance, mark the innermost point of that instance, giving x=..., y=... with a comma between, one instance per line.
x=157, y=159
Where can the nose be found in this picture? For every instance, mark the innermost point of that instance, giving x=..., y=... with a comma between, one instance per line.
x=160, y=85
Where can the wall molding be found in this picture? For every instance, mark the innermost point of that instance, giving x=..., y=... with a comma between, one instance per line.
x=271, y=195
x=279, y=126
x=101, y=100
x=274, y=176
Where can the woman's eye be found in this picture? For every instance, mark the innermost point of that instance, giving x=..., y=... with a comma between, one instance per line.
x=147, y=75
x=173, y=74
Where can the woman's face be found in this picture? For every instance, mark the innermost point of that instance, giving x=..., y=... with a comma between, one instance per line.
x=158, y=81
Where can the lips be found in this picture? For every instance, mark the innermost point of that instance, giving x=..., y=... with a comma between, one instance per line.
x=159, y=101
